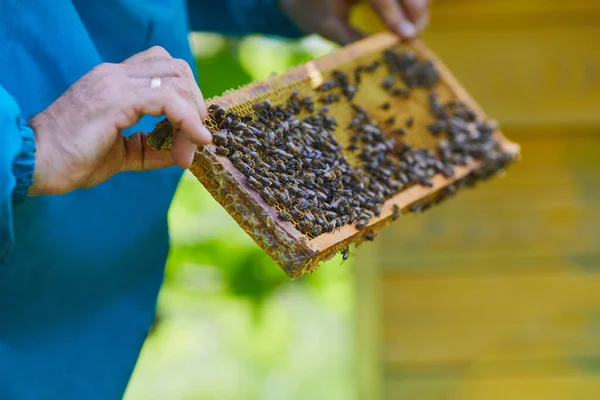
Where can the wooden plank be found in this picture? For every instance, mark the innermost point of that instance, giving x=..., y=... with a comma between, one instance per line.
x=564, y=387
x=369, y=370
x=431, y=321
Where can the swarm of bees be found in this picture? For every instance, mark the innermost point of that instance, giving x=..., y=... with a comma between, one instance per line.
x=290, y=156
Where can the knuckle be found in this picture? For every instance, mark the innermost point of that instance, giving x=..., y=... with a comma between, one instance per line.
x=159, y=51
x=181, y=90
x=172, y=101
x=128, y=116
x=103, y=69
x=182, y=67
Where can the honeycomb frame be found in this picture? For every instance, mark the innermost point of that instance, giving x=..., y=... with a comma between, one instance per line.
x=295, y=252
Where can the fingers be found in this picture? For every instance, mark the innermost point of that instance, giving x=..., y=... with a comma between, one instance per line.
x=139, y=156
x=187, y=125
x=340, y=31
x=183, y=151
x=418, y=12
x=395, y=17
x=161, y=67
x=152, y=52
x=178, y=97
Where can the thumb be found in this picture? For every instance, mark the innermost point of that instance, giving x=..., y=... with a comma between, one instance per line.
x=139, y=156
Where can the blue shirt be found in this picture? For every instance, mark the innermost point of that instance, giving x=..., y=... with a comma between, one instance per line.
x=80, y=273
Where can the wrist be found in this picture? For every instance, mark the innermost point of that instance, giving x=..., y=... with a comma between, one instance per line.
x=42, y=180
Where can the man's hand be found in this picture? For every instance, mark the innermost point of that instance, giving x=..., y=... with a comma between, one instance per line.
x=330, y=17
x=79, y=140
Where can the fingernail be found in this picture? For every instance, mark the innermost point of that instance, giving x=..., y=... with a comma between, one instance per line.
x=406, y=29
x=191, y=160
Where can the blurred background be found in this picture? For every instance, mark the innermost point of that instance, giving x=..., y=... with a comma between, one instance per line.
x=493, y=295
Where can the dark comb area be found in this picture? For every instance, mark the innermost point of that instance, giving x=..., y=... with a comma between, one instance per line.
x=289, y=153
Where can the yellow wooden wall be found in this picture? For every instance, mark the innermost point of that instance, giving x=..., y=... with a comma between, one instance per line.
x=496, y=293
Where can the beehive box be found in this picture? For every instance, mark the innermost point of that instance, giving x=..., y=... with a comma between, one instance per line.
x=496, y=295
x=297, y=252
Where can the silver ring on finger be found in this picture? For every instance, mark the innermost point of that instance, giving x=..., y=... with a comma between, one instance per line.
x=155, y=83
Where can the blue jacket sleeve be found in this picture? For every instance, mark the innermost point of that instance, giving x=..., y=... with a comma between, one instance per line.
x=17, y=158
x=241, y=17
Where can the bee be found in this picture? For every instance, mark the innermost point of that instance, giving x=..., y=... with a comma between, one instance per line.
x=435, y=128
x=305, y=224
x=309, y=193
x=338, y=222
x=352, y=147
x=284, y=198
x=409, y=122
x=399, y=132
x=340, y=76
x=401, y=92
x=265, y=181
x=357, y=73
x=247, y=118
x=212, y=108
x=316, y=230
x=373, y=66
x=329, y=227
x=220, y=113
x=222, y=151
x=350, y=92
x=262, y=106
x=361, y=223
x=295, y=213
x=327, y=86
x=329, y=99
x=345, y=252
x=231, y=115
x=308, y=104
x=253, y=182
x=370, y=236
x=245, y=168
x=385, y=106
x=329, y=175
x=281, y=166
x=388, y=83
x=267, y=194
x=391, y=120
x=236, y=156
x=297, y=191
x=417, y=208
x=284, y=216
x=395, y=212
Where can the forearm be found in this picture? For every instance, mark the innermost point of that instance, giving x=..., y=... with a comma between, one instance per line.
x=17, y=158
x=241, y=17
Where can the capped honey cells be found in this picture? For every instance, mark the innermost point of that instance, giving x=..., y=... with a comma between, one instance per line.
x=289, y=153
